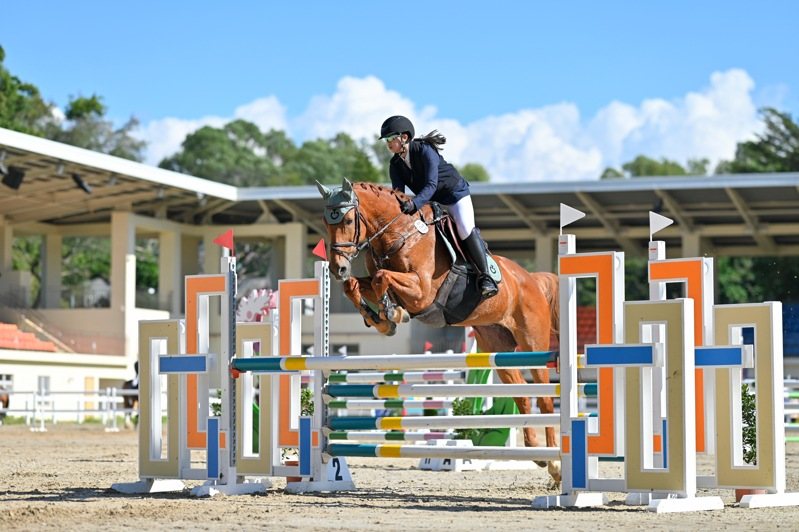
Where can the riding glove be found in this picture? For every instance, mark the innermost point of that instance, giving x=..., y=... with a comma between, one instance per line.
x=408, y=207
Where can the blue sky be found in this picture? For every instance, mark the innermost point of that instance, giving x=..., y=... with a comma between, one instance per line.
x=532, y=90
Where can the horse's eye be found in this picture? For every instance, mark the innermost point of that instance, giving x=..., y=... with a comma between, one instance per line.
x=348, y=221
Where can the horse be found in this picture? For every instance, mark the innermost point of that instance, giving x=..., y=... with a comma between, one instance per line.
x=131, y=401
x=407, y=263
x=4, y=402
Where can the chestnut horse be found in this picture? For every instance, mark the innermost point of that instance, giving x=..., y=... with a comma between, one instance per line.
x=407, y=264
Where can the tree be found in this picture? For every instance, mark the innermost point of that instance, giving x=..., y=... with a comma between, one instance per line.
x=86, y=126
x=238, y=154
x=22, y=107
x=611, y=173
x=329, y=161
x=643, y=166
x=746, y=279
x=474, y=173
x=775, y=150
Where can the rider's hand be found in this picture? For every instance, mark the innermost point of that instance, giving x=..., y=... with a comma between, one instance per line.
x=408, y=207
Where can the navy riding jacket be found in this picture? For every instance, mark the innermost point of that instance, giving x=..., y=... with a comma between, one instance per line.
x=430, y=177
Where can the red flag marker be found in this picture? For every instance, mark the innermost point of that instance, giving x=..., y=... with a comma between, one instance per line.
x=320, y=250
x=225, y=240
x=428, y=346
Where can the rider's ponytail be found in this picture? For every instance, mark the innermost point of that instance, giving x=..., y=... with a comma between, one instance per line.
x=434, y=139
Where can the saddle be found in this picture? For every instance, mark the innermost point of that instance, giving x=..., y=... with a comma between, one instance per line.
x=458, y=296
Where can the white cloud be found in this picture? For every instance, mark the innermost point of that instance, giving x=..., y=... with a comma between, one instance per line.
x=164, y=136
x=542, y=144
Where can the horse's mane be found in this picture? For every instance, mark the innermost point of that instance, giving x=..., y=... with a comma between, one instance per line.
x=381, y=191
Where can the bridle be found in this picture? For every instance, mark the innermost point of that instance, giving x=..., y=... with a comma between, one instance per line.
x=358, y=244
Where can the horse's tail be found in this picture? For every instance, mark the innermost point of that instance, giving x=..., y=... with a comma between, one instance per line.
x=550, y=285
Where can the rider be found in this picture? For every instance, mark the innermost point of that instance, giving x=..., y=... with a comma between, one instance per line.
x=418, y=165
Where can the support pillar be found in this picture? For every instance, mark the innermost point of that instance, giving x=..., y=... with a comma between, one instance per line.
x=6, y=242
x=295, y=252
x=693, y=245
x=51, y=271
x=545, y=253
x=123, y=278
x=170, y=278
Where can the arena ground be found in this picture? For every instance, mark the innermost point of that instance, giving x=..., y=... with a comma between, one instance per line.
x=61, y=480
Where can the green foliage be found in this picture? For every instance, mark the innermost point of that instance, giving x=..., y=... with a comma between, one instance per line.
x=698, y=166
x=463, y=407
x=747, y=279
x=737, y=282
x=87, y=127
x=636, y=284
x=643, y=166
x=26, y=256
x=22, y=107
x=775, y=150
x=749, y=418
x=475, y=173
x=611, y=173
x=240, y=154
x=83, y=108
x=84, y=259
x=147, y=252
x=253, y=259
x=306, y=402
x=329, y=161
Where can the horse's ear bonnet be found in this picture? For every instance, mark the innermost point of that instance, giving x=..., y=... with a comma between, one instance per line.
x=339, y=201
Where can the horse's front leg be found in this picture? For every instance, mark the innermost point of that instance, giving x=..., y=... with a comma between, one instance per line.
x=408, y=287
x=359, y=290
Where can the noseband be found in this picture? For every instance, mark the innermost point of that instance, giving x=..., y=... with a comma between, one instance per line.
x=338, y=247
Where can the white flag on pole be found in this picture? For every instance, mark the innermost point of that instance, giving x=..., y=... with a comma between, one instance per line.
x=568, y=215
x=657, y=222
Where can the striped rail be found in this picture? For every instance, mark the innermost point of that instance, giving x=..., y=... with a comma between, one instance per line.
x=430, y=451
x=404, y=377
x=373, y=435
x=391, y=391
x=370, y=404
x=441, y=422
x=519, y=359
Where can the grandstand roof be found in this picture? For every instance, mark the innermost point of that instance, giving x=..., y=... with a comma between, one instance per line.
x=752, y=214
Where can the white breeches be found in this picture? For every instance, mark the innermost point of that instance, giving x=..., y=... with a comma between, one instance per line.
x=462, y=213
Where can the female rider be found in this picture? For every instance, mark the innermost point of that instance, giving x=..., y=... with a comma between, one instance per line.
x=418, y=165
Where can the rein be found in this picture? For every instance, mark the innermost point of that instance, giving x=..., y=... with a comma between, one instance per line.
x=360, y=245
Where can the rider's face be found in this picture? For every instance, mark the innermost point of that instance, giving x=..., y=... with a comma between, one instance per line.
x=395, y=144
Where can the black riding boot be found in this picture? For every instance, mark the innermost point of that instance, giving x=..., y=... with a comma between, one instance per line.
x=476, y=251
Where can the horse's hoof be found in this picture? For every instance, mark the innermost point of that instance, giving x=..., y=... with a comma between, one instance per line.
x=365, y=322
x=392, y=329
x=554, y=470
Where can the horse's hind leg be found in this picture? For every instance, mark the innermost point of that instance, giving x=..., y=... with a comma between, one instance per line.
x=493, y=339
x=547, y=406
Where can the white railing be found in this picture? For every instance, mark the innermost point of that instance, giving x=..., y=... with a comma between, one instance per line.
x=106, y=404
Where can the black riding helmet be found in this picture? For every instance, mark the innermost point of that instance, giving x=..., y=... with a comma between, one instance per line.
x=396, y=125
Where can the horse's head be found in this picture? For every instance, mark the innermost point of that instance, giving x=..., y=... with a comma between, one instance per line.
x=343, y=227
